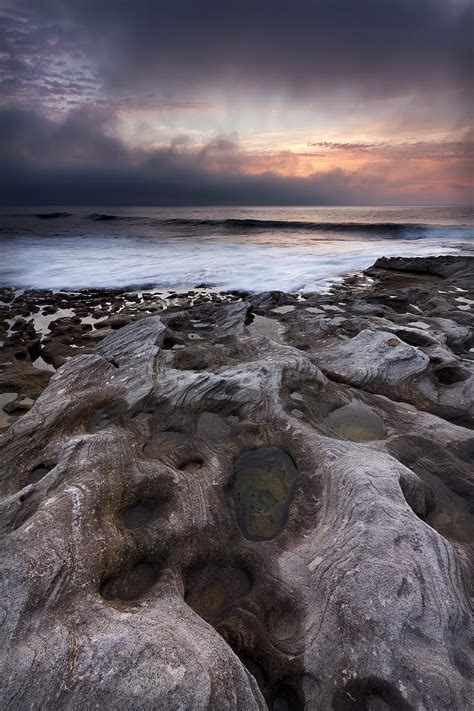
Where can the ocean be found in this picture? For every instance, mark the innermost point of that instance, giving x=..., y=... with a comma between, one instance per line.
x=226, y=248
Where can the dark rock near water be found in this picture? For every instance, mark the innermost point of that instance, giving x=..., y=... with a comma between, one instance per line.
x=196, y=514
x=444, y=266
x=270, y=299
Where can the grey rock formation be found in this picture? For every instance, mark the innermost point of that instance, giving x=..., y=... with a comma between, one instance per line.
x=212, y=522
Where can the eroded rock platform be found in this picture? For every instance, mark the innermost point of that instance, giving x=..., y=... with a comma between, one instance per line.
x=236, y=521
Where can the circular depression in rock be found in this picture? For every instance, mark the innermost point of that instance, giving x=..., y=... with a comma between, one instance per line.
x=131, y=584
x=263, y=489
x=451, y=374
x=356, y=422
x=211, y=590
x=137, y=516
x=37, y=474
x=287, y=699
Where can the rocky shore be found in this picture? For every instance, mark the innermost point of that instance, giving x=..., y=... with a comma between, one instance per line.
x=240, y=501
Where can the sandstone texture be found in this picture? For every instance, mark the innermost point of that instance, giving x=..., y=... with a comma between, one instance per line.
x=241, y=502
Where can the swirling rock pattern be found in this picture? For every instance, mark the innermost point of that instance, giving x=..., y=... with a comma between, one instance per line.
x=224, y=526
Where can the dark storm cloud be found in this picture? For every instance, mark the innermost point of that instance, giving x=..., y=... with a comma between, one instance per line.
x=33, y=152
x=75, y=161
x=170, y=184
x=87, y=59
x=29, y=138
x=371, y=47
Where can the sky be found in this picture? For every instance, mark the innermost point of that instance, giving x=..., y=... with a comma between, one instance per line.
x=358, y=102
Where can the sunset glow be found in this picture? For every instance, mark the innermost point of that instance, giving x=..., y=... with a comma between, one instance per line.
x=383, y=118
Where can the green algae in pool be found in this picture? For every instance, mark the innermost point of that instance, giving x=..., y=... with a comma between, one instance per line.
x=264, y=487
x=356, y=422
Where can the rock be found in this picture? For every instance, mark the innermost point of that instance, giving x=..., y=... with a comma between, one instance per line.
x=443, y=266
x=182, y=540
x=23, y=379
x=372, y=356
x=52, y=215
x=233, y=522
x=18, y=407
x=271, y=299
x=377, y=362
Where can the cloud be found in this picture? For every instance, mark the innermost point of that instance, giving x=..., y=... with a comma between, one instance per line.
x=307, y=48
x=80, y=137
x=143, y=101
x=407, y=150
x=77, y=159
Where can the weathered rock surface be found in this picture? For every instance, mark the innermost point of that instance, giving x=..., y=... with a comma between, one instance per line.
x=197, y=518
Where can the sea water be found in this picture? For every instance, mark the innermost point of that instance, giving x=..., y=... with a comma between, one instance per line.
x=247, y=248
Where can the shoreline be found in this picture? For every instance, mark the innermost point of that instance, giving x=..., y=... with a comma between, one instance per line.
x=247, y=472
x=43, y=329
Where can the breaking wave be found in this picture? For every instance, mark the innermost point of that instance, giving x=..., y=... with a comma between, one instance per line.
x=253, y=249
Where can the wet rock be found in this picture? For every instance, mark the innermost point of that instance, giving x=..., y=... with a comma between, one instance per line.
x=18, y=407
x=264, y=487
x=264, y=326
x=443, y=266
x=238, y=530
x=23, y=379
x=270, y=299
x=377, y=362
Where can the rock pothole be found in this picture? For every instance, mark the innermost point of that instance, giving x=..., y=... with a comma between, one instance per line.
x=451, y=374
x=418, y=496
x=38, y=473
x=130, y=585
x=138, y=516
x=213, y=589
x=192, y=463
x=264, y=486
x=287, y=699
x=356, y=422
x=169, y=342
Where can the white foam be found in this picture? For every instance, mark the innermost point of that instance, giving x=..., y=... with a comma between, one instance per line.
x=120, y=261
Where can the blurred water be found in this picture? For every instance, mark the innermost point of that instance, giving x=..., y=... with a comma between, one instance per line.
x=254, y=249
